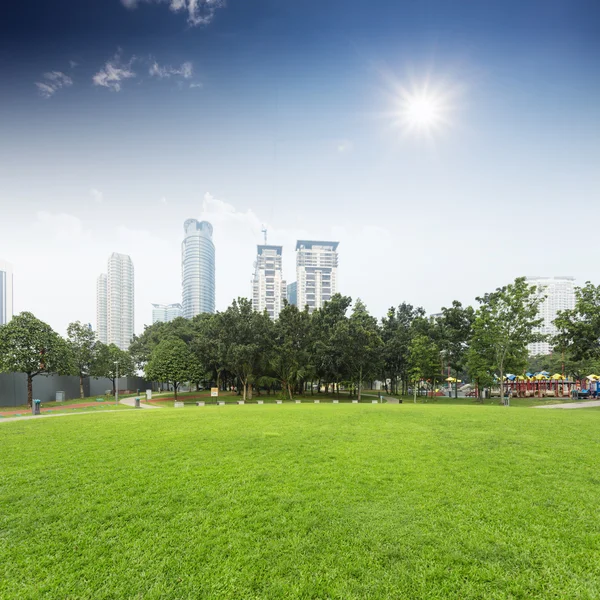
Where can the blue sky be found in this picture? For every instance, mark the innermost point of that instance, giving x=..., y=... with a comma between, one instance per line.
x=285, y=113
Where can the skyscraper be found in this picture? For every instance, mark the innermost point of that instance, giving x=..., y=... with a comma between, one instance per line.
x=165, y=313
x=560, y=295
x=268, y=287
x=101, y=316
x=292, y=293
x=316, y=273
x=6, y=292
x=115, y=302
x=198, y=268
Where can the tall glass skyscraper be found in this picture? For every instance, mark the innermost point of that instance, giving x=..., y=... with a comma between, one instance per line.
x=165, y=313
x=198, y=268
x=6, y=292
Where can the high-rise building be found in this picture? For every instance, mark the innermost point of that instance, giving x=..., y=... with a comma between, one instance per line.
x=198, y=268
x=268, y=287
x=115, y=302
x=292, y=293
x=559, y=295
x=101, y=316
x=316, y=273
x=6, y=292
x=165, y=313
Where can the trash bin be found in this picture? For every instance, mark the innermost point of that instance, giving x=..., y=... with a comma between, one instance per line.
x=35, y=407
x=137, y=402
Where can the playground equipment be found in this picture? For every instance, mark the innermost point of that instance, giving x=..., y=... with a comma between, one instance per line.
x=544, y=385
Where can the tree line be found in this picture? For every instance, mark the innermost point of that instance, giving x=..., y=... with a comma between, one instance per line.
x=339, y=344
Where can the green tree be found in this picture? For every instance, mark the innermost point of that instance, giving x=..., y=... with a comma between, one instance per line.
x=328, y=347
x=360, y=339
x=111, y=361
x=30, y=346
x=170, y=362
x=424, y=361
x=290, y=360
x=505, y=323
x=245, y=339
x=455, y=331
x=82, y=344
x=579, y=328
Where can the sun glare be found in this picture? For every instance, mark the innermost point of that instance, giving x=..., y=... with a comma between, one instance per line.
x=423, y=111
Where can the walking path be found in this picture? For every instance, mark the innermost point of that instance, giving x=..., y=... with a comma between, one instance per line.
x=131, y=402
x=587, y=404
x=48, y=416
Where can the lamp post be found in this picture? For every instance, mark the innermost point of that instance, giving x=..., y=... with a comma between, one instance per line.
x=117, y=382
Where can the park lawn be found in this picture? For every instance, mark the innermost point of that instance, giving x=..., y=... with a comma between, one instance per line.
x=302, y=501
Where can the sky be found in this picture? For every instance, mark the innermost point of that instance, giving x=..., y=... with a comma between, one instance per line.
x=119, y=119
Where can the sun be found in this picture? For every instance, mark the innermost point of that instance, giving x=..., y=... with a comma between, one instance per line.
x=423, y=111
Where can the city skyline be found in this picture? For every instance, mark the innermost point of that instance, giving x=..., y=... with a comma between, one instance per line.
x=119, y=122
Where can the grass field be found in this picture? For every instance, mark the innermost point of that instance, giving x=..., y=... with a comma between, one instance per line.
x=302, y=501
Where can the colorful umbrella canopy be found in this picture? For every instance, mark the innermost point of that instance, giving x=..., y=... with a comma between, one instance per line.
x=557, y=376
x=451, y=379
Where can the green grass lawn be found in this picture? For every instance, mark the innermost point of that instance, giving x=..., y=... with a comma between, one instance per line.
x=302, y=501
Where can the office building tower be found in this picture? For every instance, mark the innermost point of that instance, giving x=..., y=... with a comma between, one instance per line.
x=115, y=302
x=316, y=273
x=165, y=313
x=292, y=293
x=198, y=268
x=559, y=295
x=268, y=287
x=6, y=292
x=101, y=316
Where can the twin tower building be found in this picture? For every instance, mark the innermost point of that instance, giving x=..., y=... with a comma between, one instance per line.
x=316, y=273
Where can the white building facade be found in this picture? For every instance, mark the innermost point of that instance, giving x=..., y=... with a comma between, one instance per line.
x=560, y=295
x=316, y=273
x=101, y=307
x=6, y=292
x=117, y=309
x=165, y=313
x=197, y=269
x=268, y=286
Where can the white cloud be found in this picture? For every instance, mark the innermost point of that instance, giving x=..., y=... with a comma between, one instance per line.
x=199, y=12
x=73, y=64
x=97, y=195
x=114, y=72
x=186, y=70
x=54, y=81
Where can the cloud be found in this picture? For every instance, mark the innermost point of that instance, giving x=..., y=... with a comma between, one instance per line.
x=54, y=81
x=195, y=85
x=163, y=200
x=97, y=195
x=199, y=12
x=114, y=72
x=73, y=64
x=186, y=70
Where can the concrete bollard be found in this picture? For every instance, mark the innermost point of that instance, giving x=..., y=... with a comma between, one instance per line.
x=260, y=402
x=354, y=401
x=336, y=401
x=279, y=401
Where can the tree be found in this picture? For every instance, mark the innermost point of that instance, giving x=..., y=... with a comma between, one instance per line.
x=245, y=338
x=30, y=346
x=170, y=362
x=111, y=361
x=327, y=350
x=361, y=342
x=290, y=359
x=579, y=328
x=504, y=325
x=396, y=333
x=424, y=360
x=82, y=344
x=455, y=330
